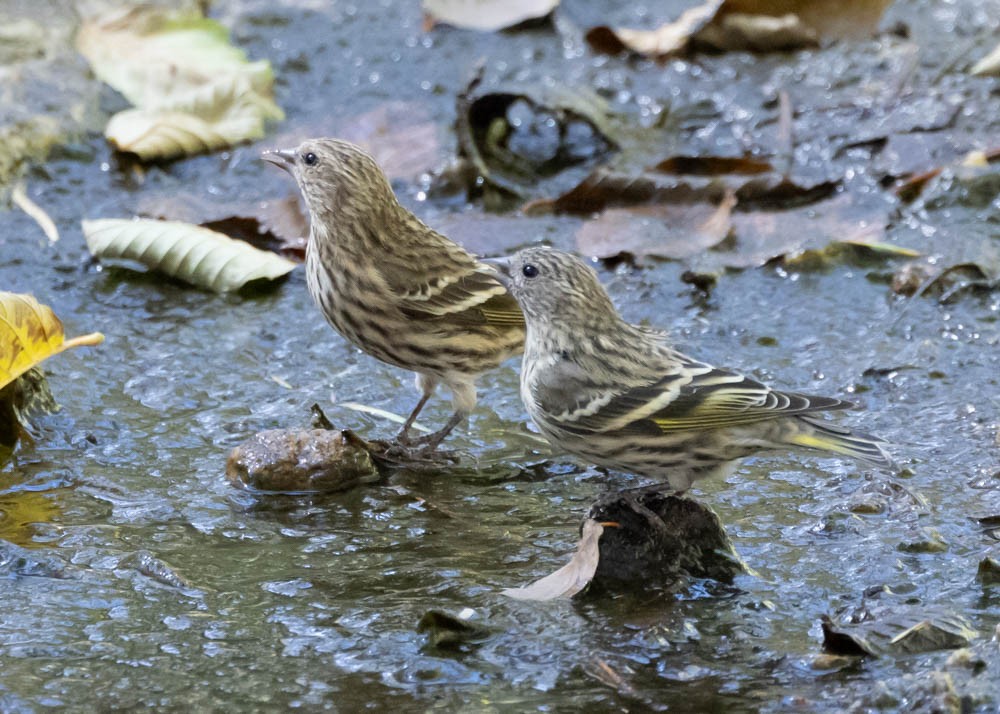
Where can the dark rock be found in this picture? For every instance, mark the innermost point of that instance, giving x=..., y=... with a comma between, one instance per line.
x=660, y=539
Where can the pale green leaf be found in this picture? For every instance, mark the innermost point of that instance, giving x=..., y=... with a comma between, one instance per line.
x=218, y=115
x=990, y=64
x=184, y=251
x=193, y=91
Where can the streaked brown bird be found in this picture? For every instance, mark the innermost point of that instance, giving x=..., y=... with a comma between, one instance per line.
x=394, y=287
x=619, y=396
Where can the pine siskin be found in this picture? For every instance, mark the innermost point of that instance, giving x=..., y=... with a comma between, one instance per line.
x=620, y=397
x=400, y=291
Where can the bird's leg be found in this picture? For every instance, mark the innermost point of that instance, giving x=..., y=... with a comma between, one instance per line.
x=426, y=385
x=464, y=400
x=430, y=442
x=404, y=434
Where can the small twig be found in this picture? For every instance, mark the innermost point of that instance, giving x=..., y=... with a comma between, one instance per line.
x=19, y=196
x=786, y=133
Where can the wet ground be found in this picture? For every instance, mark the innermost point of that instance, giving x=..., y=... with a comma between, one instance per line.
x=135, y=576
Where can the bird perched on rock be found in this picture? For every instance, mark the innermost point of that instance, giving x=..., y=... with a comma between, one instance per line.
x=620, y=397
x=394, y=287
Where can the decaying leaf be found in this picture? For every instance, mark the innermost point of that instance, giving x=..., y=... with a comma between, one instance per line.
x=280, y=226
x=402, y=136
x=187, y=252
x=518, y=134
x=803, y=236
x=674, y=231
x=193, y=91
x=894, y=627
x=755, y=25
x=572, y=577
x=685, y=180
x=445, y=630
x=485, y=15
x=31, y=333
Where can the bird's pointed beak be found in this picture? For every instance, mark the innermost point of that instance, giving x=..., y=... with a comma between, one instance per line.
x=283, y=158
x=500, y=266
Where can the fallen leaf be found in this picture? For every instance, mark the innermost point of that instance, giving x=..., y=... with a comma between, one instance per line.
x=187, y=252
x=990, y=64
x=884, y=624
x=671, y=38
x=31, y=333
x=603, y=188
x=444, y=630
x=762, y=236
x=521, y=135
x=572, y=577
x=673, y=231
x=485, y=15
x=226, y=112
x=757, y=25
x=401, y=136
x=280, y=226
x=193, y=91
x=713, y=165
x=758, y=33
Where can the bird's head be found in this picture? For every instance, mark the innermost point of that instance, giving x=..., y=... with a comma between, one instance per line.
x=553, y=286
x=336, y=178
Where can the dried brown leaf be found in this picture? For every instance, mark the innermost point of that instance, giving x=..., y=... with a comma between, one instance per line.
x=758, y=25
x=674, y=231
x=572, y=577
x=402, y=136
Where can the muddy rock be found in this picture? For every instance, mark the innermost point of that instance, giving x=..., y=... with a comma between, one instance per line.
x=306, y=460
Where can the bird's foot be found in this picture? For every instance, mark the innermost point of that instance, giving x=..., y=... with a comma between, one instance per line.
x=416, y=455
x=634, y=499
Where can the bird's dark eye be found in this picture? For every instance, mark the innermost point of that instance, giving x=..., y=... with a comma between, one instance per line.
x=310, y=159
x=529, y=270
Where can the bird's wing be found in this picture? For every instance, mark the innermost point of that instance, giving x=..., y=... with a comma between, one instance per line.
x=475, y=298
x=720, y=398
x=448, y=283
x=694, y=396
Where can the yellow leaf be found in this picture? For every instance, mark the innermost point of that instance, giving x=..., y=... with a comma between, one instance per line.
x=31, y=333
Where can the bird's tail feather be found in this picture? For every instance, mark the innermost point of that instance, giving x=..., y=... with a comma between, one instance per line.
x=825, y=436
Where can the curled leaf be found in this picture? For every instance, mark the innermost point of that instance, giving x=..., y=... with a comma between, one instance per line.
x=990, y=64
x=30, y=333
x=187, y=252
x=193, y=91
x=572, y=577
x=215, y=116
x=756, y=25
x=485, y=15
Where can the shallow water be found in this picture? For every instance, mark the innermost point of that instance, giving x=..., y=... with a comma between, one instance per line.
x=135, y=576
